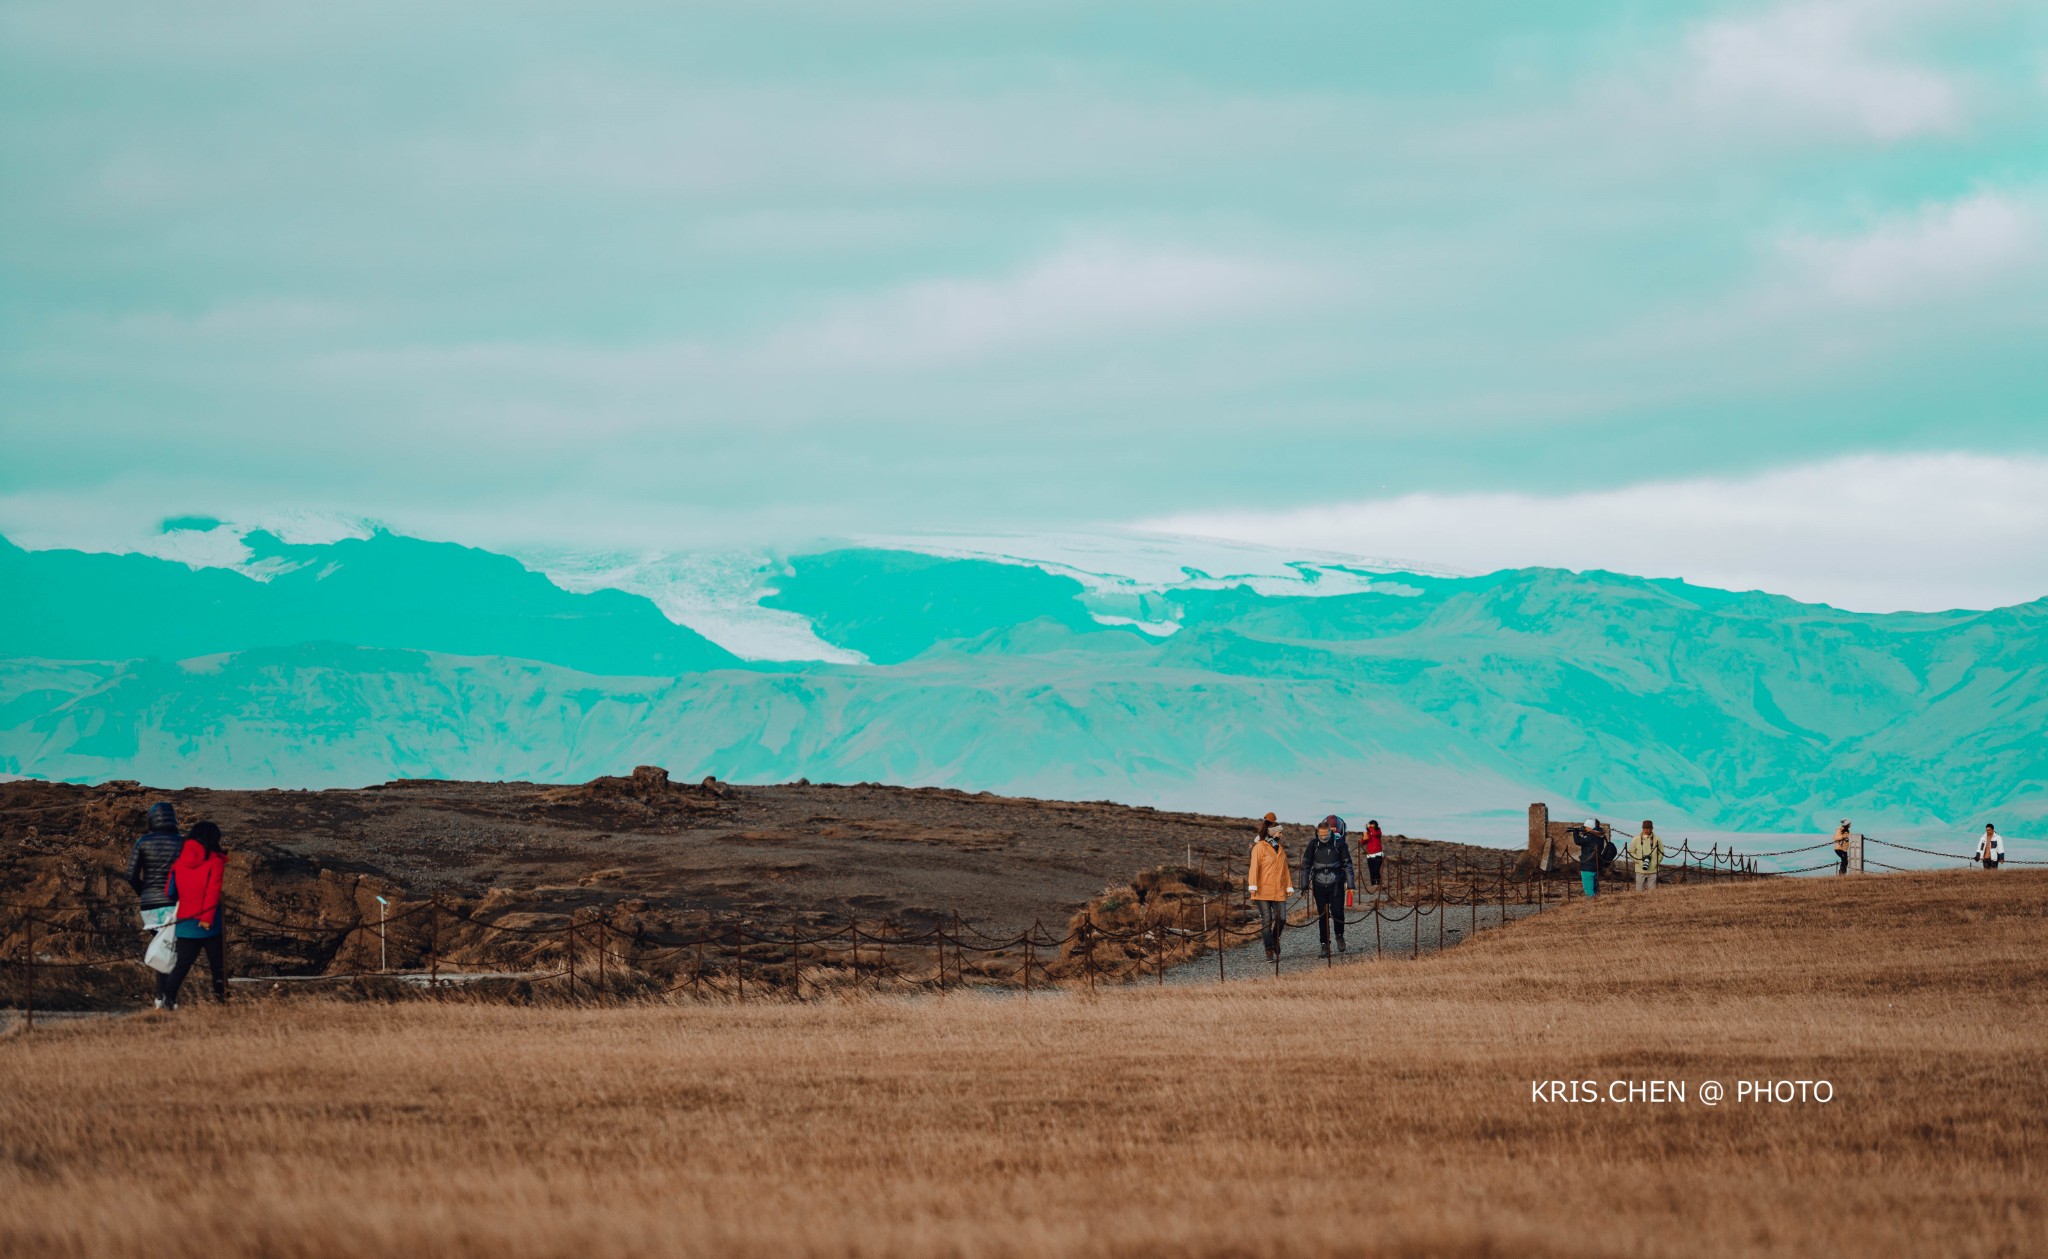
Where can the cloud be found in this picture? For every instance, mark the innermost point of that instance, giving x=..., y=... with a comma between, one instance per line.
x=1872, y=532
x=1939, y=249
x=1088, y=294
x=1818, y=63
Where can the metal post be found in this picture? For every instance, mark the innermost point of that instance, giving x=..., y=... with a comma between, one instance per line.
x=1439, y=917
x=434, y=946
x=739, y=957
x=1030, y=952
x=1220, y=975
x=1376, y=953
x=1159, y=934
x=603, y=971
x=1415, y=936
x=569, y=945
x=28, y=1002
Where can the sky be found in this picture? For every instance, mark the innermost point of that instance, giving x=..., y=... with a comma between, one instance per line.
x=1754, y=294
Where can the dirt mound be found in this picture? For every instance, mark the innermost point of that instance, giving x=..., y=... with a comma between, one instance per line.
x=647, y=796
x=1163, y=916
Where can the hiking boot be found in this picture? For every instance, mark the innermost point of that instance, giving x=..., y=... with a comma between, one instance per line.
x=1326, y=950
x=1340, y=944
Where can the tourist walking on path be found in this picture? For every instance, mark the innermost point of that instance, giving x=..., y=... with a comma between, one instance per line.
x=1991, y=848
x=1269, y=883
x=1375, y=849
x=1326, y=872
x=195, y=880
x=149, y=864
x=1592, y=853
x=1647, y=852
x=149, y=868
x=1842, y=847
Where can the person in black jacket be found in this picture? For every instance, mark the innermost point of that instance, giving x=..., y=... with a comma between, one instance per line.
x=1327, y=873
x=1592, y=841
x=149, y=870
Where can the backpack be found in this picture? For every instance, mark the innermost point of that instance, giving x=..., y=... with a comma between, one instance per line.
x=1326, y=860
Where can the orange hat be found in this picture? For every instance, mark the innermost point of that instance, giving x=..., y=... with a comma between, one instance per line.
x=1271, y=818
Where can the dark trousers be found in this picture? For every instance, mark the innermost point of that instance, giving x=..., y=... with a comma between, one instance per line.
x=1329, y=905
x=1372, y=869
x=1842, y=855
x=188, y=952
x=1272, y=914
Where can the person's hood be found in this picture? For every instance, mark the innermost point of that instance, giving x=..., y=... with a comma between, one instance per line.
x=163, y=818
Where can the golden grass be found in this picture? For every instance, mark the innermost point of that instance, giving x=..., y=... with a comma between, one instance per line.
x=1377, y=1109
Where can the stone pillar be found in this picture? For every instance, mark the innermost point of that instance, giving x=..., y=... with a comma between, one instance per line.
x=1539, y=837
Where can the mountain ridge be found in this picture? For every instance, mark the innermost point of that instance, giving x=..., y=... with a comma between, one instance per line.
x=1449, y=698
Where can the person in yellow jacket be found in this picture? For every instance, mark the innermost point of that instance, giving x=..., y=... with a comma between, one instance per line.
x=1270, y=882
x=1842, y=834
x=1647, y=852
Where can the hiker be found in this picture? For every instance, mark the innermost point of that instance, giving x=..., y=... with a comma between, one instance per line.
x=1268, y=884
x=149, y=865
x=1991, y=848
x=195, y=880
x=1842, y=847
x=1327, y=873
x=1592, y=845
x=1647, y=851
x=1374, y=848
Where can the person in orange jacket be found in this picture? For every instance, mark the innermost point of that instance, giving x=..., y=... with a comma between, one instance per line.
x=1270, y=882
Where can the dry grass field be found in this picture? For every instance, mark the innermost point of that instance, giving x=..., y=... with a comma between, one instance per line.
x=1382, y=1108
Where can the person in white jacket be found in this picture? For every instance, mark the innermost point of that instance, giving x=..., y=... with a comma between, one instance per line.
x=1991, y=848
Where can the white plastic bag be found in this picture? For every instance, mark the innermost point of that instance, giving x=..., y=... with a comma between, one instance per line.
x=162, y=954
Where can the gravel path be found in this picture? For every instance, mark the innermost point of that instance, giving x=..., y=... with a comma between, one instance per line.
x=1300, y=947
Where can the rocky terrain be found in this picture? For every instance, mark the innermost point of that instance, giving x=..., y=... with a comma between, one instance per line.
x=649, y=858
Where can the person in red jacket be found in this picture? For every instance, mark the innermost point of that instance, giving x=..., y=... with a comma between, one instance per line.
x=1373, y=846
x=195, y=883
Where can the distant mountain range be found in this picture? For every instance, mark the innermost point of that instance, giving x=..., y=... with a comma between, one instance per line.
x=1440, y=704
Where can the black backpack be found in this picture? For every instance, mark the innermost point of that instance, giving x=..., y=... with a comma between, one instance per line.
x=1326, y=859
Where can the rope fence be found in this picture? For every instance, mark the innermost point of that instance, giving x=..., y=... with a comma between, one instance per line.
x=591, y=956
